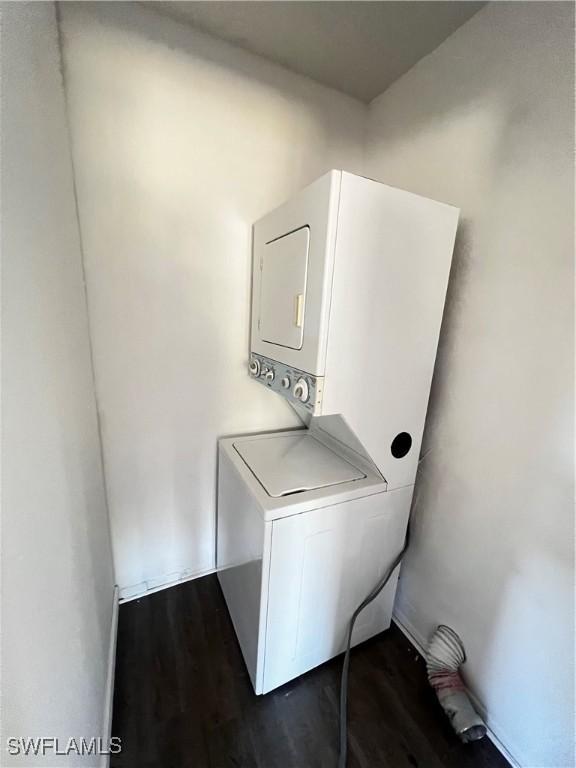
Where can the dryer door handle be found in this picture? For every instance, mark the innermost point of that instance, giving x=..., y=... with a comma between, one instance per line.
x=298, y=307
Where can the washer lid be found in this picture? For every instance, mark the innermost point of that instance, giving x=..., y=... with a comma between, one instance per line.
x=295, y=463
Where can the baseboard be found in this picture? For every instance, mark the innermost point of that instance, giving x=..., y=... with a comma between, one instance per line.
x=109, y=693
x=136, y=591
x=419, y=643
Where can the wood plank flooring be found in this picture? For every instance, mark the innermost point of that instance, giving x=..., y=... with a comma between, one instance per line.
x=183, y=699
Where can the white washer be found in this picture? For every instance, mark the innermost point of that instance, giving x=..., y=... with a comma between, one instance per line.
x=306, y=528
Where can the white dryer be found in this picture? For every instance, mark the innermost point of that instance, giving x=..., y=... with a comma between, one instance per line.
x=305, y=530
x=348, y=285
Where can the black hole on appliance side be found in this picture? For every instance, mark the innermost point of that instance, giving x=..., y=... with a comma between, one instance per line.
x=401, y=445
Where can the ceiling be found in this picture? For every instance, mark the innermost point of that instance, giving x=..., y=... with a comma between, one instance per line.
x=357, y=47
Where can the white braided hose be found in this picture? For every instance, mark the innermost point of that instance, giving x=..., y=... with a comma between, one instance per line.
x=444, y=657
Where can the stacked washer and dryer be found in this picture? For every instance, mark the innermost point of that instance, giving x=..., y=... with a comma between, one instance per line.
x=348, y=290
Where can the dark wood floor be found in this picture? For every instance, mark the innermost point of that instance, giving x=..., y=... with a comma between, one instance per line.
x=183, y=699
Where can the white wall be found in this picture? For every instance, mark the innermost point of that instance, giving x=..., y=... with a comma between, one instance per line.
x=485, y=123
x=180, y=143
x=57, y=579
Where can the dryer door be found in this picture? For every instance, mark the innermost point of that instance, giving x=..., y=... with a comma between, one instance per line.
x=284, y=266
x=292, y=277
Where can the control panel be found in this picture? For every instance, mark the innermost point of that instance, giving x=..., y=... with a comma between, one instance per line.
x=296, y=386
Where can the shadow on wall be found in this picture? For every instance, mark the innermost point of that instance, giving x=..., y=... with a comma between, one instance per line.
x=493, y=523
x=459, y=284
x=245, y=88
x=180, y=142
x=512, y=580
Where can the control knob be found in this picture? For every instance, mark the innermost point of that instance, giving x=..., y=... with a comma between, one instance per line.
x=285, y=383
x=254, y=367
x=301, y=391
x=270, y=375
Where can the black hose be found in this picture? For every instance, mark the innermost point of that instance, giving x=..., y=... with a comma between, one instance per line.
x=346, y=665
